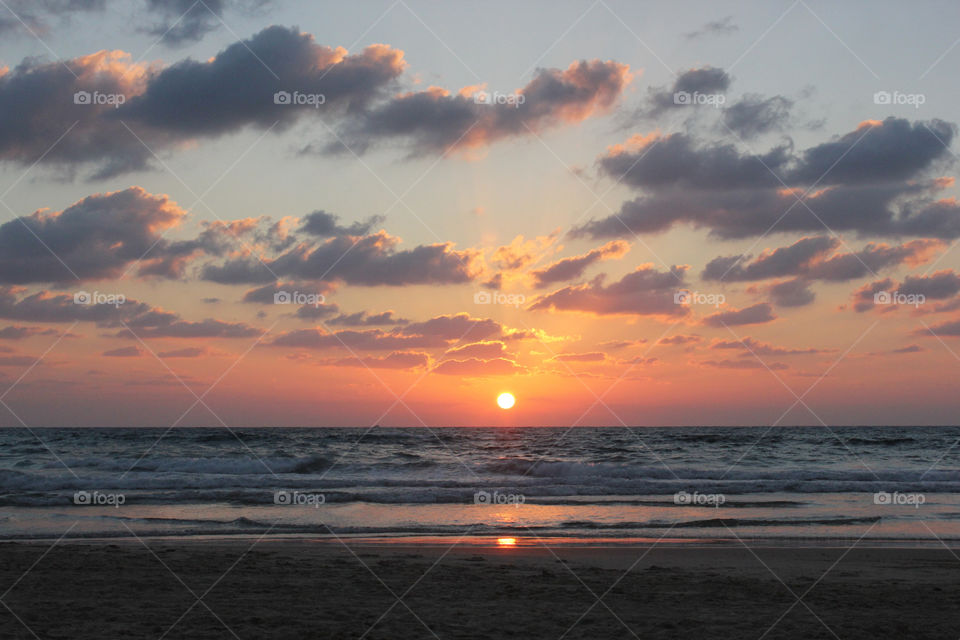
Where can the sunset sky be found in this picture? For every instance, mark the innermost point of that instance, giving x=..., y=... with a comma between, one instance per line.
x=621, y=213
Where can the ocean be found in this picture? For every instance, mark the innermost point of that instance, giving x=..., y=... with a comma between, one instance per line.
x=816, y=485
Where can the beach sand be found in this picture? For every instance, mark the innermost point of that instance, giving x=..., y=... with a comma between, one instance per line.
x=302, y=589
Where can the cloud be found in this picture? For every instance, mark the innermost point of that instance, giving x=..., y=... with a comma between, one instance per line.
x=949, y=328
x=371, y=260
x=521, y=253
x=744, y=364
x=613, y=345
x=912, y=348
x=95, y=238
x=721, y=27
x=395, y=360
x=863, y=298
x=123, y=352
x=485, y=350
x=477, y=368
x=783, y=261
x=169, y=106
x=439, y=331
x=680, y=339
x=941, y=285
x=591, y=356
x=750, y=346
x=676, y=160
x=186, y=352
x=367, y=340
x=791, y=293
x=705, y=80
x=20, y=333
x=434, y=120
x=323, y=224
x=645, y=291
x=807, y=259
x=366, y=319
x=236, y=87
x=460, y=326
x=755, y=314
x=574, y=267
x=871, y=188
x=754, y=115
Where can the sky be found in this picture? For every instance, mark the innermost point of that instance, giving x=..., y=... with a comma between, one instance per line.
x=265, y=213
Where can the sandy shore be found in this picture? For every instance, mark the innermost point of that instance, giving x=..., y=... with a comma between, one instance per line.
x=304, y=589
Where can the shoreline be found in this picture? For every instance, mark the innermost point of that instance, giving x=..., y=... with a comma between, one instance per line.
x=295, y=589
x=519, y=541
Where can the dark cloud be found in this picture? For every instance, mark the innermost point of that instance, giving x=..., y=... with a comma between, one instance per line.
x=876, y=151
x=783, y=261
x=368, y=340
x=705, y=80
x=439, y=331
x=433, y=120
x=645, y=291
x=755, y=314
x=949, y=328
x=750, y=346
x=723, y=26
x=371, y=260
x=21, y=333
x=455, y=327
x=676, y=160
x=167, y=107
x=871, y=187
x=574, y=267
x=808, y=258
x=940, y=285
x=124, y=352
x=236, y=88
x=324, y=225
x=754, y=115
x=186, y=352
x=96, y=238
x=791, y=293
x=863, y=298
x=143, y=320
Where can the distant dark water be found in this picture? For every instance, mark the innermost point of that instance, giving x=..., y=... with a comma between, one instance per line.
x=554, y=481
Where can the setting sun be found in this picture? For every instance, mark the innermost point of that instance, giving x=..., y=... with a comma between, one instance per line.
x=506, y=400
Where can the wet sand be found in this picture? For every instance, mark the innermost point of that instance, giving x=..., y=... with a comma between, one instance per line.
x=306, y=589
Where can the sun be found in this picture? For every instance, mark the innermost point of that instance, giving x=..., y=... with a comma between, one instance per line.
x=506, y=400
